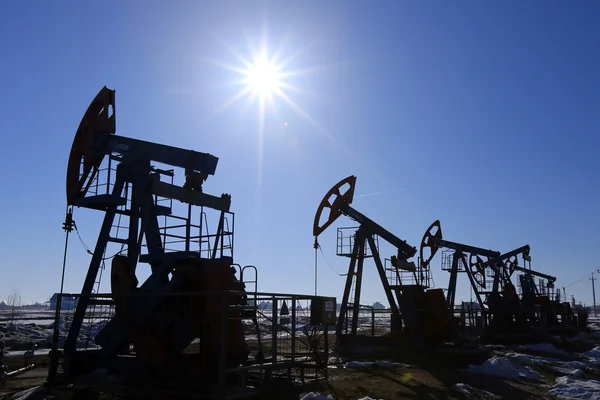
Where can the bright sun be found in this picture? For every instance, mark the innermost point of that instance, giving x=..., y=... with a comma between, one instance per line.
x=263, y=77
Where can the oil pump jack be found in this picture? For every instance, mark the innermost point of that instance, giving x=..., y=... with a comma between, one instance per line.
x=504, y=306
x=157, y=325
x=432, y=241
x=538, y=305
x=337, y=202
x=414, y=311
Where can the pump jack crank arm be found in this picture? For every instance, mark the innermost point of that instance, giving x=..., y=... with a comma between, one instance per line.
x=477, y=269
x=511, y=264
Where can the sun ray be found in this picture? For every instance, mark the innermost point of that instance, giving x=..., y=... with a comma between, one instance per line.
x=232, y=50
x=264, y=77
x=312, y=70
x=286, y=61
x=351, y=154
x=230, y=102
x=233, y=68
x=304, y=114
x=274, y=81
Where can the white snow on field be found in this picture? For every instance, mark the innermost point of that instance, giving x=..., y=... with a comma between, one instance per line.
x=334, y=360
x=470, y=391
x=507, y=365
x=593, y=353
x=28, y=393
x=319, y=396
x=594, y=324
x=316, y=396
x=574, y=368
x=529, y=360
x=20, y=337
x=576, y=373
x=579, y=364
x=503, y=367
x=570, y=388
x=545, y=348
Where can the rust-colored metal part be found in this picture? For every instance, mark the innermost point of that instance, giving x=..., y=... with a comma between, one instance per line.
x=99, y=118
x=333, y=205
x=202, y=313
x=122, y=277
x=432, y=234
x=437, y=320
x=478, y=272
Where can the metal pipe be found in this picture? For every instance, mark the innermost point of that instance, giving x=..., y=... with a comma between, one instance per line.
x=20, y=370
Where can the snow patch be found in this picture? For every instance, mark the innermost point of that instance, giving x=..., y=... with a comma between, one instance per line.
x=569, y=388
x=334, y=360
x=578, y=364
x=545, y=348
x=577, y=373
x=471, y=391
x=502, y=367
x=29, y=393
x=527, y=359
x=316, y=396
x=593, y=353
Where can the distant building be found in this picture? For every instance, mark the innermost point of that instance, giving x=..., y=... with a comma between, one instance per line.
x=66, y=303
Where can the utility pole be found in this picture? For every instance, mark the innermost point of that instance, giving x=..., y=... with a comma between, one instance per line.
x=594, y=293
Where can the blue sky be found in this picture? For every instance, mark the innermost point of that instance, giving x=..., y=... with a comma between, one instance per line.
x=481, y=114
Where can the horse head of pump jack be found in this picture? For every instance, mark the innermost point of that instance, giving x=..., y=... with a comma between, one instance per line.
x=429, y=241
x=337, y=195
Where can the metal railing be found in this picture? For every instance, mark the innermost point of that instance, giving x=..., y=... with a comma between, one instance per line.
x=275, y=330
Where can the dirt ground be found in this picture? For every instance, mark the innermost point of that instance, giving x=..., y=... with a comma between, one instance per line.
x=424, y=376
x=412, y=382
x=345, y=384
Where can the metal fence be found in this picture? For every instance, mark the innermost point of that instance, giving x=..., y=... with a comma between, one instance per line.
x=377, y=322
x=370, y=321
x=205, y=334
